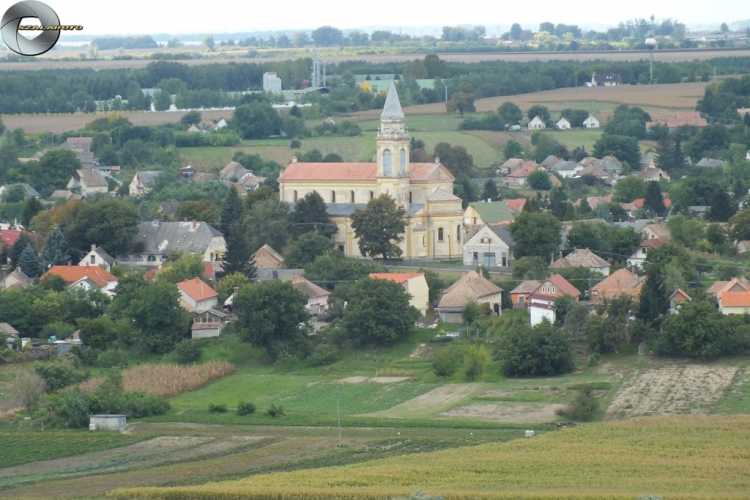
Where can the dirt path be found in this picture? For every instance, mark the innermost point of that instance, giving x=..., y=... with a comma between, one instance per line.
x=691, y=389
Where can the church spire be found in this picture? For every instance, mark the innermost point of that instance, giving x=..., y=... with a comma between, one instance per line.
x=392, y=108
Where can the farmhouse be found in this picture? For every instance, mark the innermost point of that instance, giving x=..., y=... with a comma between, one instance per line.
x=638, y=256
x=471, y=287
x=208, y=323
x=591, y=122
x=491, y=246
x=317, y=297
x=734, y=302
x=142, y=182
x=433, y=214
x=85, y=277
x=677, y=298
x=605, y=79
x=519, y=177
x=510, y=166
x=653, y=174
x=537, y=124
x=16, y=279
x=156, y=240
x=562, y=124
x=196, y=296
x=734, y=285
x=233, y=172
x=566, y=169
x=88, y=182
x=520, y=294
x=97, y=256
x=582, y=258
x=617, y=283
x=267, y=258
x=415, y=285
x=28, y=191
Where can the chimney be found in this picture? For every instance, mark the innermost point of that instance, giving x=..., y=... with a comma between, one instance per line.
x=93, y=246
x=193, y=223
x=68, y=263
x=87, y=265
x=294, y=159
x=437, y=159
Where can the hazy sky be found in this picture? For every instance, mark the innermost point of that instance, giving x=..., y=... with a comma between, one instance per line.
x=220, y=16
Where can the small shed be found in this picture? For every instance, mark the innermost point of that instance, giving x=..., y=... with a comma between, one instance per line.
x=107, y=423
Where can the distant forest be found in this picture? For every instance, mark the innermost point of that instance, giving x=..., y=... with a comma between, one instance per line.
x=126, y=42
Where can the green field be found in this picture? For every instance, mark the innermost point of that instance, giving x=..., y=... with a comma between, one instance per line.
x=574, y=138
x=677, y=457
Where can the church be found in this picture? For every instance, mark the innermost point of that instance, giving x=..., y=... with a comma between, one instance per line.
x=425, y=190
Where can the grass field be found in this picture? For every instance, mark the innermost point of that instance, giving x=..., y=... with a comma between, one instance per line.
x=678, y=457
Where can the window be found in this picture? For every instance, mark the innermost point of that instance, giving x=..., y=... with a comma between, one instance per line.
x=410, y=197
x=489, y=259
x=295, y=196
x=423, y=242
x=402, y=161
x=151, y=258
x=341, y=248
x=275, y=275
x=521, y=299
x=333, y=196
x=440, y=234
x=372, y=195
x=553, y=289
x=124, y=258
x=164, y=258
x=458, y=234
x=137, y=258
x=476, y=257
x=93, y=259
x=387, y=162
x=505, y=260
x=352, y=196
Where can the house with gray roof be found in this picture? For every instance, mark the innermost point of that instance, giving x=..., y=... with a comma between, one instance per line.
x=29, y=192
x=143, y=182
x=582, y=258
x=710, y=162
x=97, y=256
x=566, y=169
x=87, y=182
x=156, y=240
x=233, y=172
x=471, y=287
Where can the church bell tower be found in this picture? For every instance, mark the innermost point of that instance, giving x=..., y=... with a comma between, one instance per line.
x=393, y=150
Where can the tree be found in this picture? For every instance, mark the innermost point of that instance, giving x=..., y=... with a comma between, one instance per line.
x=182, y=266
x=238, y=257
x=510, y=113
x=446, y=361
x=463, y=102
x=53, y=170
x=231, y=211
x=306, y=249
x=334, y=266
x=2, y=126
x=380, y=227
x=654, y=199
x=310, y=215
x=157, y=316
x=515, y=31
x=629, y=188
x=269, y=315
x=530, y=268
x=267, y=223
x=475, y=360
x=455, y=158
x=228, y=284
x=110, y=223
x=541, y=350
x=512, y=150
x=624, y=148
x=539, y=180
x=256, y=120
x=29, y=263
x=545, y=145
x=739, y=226
x=724, y=28
x=558, y=202
x=535, y=234
x=538, y=110
x=490, y=191
x=378, y=312
x=722, y=207
x=203, y=210
x=466, y=189
x=191, y=118
x=17, y=249
x=27, y=390
x=654, y=298
x=32, y=207
x=209, y=42
x=162, y=100
x=327, y=36
x=55, y=250
x=97, y=333
x=144, y=213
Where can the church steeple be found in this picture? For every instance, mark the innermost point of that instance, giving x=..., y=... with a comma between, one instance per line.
x=393, y=141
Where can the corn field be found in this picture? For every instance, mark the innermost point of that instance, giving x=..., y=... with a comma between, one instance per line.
x=168, y=380
x=682, y=457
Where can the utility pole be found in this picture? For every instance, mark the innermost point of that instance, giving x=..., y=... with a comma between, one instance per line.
x=338, y=414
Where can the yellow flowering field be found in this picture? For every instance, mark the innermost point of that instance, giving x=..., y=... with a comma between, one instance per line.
x=685, y=457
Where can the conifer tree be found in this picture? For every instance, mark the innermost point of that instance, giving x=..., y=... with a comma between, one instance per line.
x=17, y=249
x=654, y=199
x=231, y=211
x=654, y=300
x=722, y=207
x=490, y=191
x=55, y=250
x=29, y=263
x=239, y=257
x=144, y=214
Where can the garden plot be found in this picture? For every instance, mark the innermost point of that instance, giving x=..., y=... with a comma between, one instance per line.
x=525, y=413
x=690, y=389
x=438, y=399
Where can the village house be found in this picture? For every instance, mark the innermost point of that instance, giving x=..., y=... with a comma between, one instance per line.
x=518, y=178
x=143, y=182
x=591, y=122
x=562, y=124
x=233, y=172
x=549, y=161
x=317, y=297
x=88, y=182
x=595, y=201
x=582, y=258
x=541, y=302
x=186, y=172
x=16, y=279
x=566, y=169
x=516, y=205
x=653, y=174
x=29, y=192
x=434, y=215
x=97, y=256
x=692, y=118
x=491, y=246
x=638, y=256
x=510, y=166
x=167, y=208
x=605, y=79
x=471, y=287
x=156, y=240
x=64, y=194
x=678, y=297
x=648, y=161
x=249, y=182
x=656, y=230
x=743, y=246
x=537, y=124
x=208, y=323
x=591, y=169
x=734, y=285
x=520, y=294
x=85, y=276
x=617, y=283
x=483, y=212
x=415, y=284
x=610, y=164
x=196, y=296
x=710, y=163
x=268, y=258
x=734, y=302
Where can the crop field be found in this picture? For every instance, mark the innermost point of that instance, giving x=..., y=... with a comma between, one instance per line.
x=677, y=457
x=166, y=380
x=25, y=446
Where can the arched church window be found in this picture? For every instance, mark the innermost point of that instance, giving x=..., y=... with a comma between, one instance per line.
x=458, y=233
x=333, y=196
x=387, y=162
x=440, y=234
x=402, y=161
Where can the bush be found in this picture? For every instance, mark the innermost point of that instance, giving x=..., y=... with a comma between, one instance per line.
x=324, y=354
x=244, y=408
x=475, y=360
x=71, y=409
x=217, y=408
x=57, y=376
x=276, y=411
x=84, y=356
x=446, y=362
x=139, y=405
x=542, y=350
x=583, y=408
x=188, y=351
x=112, y=359
x=296, y=144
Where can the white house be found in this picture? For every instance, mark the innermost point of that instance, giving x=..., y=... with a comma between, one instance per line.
x=143, y=182
x=539, y=311
x=471, y=287
x=491, y=246
x=196, y=296
x=638, y=256
x=88, y=182
x=317, y=297
x=85, y=277
x=563, y=124
x=208, y=323
x=415, y=284
x=221, y=123
x=156, y=240
x=97, y=256
x=566, y=169
x=537, y=124
x=591, y=122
